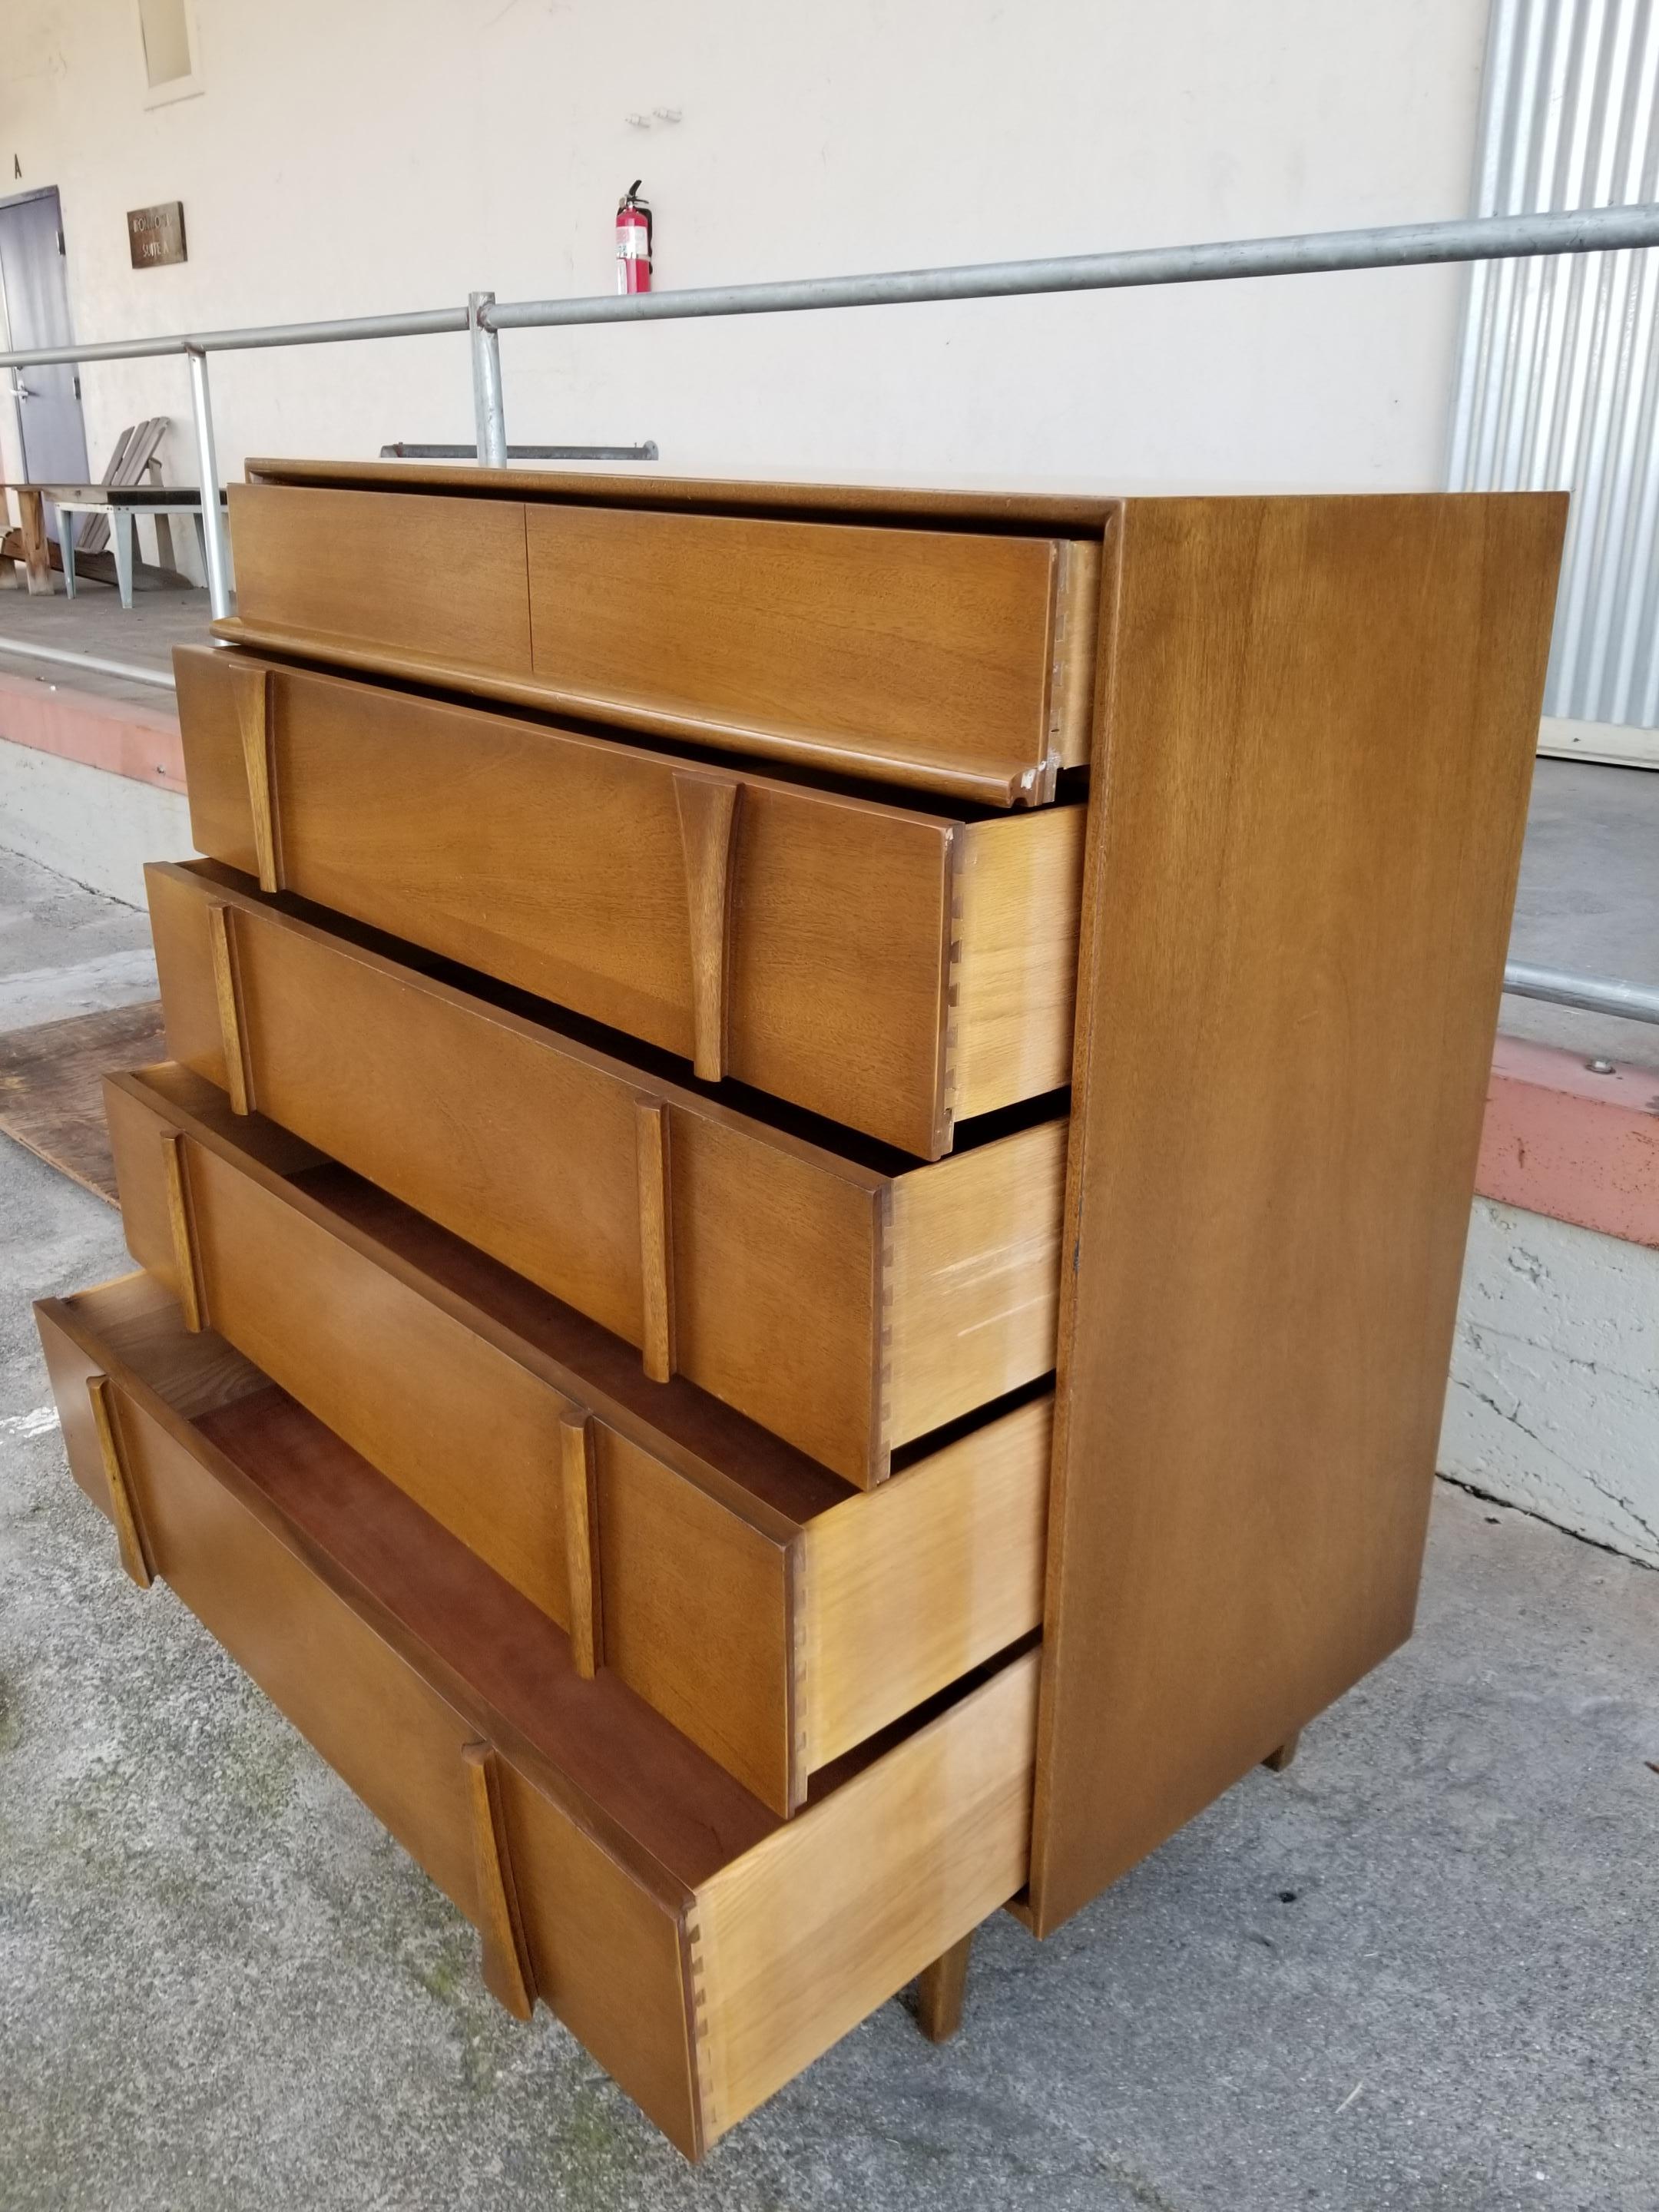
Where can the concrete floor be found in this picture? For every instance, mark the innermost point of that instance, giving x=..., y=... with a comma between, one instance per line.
x=96, y=623
x=1420, y=1971
x=1588, y=900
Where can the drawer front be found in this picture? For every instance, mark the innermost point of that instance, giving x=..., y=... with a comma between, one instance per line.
x=612, y=1967
x=849, y=644
x=444, y=577
x=687, y=1600
x=800, y=1938
x=805, y=943
x=770, y=1272
x=952, y=659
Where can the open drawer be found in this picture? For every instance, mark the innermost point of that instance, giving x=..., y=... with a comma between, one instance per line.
x=775, y=1616
x=850, y=1300
x=893, y=969
x=958, y=657
x=704, y=1951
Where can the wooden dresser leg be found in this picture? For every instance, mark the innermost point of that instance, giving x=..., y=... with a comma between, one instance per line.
x=940, y=1990
x=1277, y=1761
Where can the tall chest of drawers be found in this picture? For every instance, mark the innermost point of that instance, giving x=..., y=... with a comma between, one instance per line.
x=798, y=1250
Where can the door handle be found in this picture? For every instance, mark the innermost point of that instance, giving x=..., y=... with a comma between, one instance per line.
x=21, y=390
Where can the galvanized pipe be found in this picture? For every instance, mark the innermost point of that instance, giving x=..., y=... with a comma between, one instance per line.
x=1596, y=995
x=426, y=322
x=214, y=541
x=489, y=404
x=1399, y=246
x=130, y=672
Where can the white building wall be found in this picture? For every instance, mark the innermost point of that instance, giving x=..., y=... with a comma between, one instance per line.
x=1554, y=1397
x=345, y=158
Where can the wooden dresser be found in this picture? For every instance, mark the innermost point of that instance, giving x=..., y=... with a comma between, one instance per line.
x=799, y=1247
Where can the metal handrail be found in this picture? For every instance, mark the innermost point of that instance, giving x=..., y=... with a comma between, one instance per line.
x=1596, y=995
x=1399, y=245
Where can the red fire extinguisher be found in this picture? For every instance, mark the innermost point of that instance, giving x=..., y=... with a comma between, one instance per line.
x=633, y=242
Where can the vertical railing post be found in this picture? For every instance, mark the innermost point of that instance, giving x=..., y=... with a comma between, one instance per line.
x=489, y=411
x=215, y=545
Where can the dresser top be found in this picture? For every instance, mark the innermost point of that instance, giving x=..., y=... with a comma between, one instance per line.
x=733, y=495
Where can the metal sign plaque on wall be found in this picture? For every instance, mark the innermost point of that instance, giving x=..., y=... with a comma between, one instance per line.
x=156, y=235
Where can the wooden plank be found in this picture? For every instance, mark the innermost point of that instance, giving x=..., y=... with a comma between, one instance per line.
x=37, y=551
x=49, y=1099
x=816, y=960
x=953, y=1550
x=812, y=1929
x=974, y=1278
x=1014, y=954
x=1307, y=819
x=445, y=576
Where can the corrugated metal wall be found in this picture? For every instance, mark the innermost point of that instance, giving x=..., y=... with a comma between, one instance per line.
x=1558, y=380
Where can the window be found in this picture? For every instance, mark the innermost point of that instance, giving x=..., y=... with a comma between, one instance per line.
x=167, y=31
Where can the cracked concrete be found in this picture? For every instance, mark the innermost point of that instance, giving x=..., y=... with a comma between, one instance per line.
x=1554, y=1397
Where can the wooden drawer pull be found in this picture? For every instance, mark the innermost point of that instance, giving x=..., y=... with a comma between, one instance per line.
x=226, y=991
x=709, y=818
x=507, y=1973
x=123, y=1506
x=651, y=1134
x=581, y=1541
x=181, y=1223
x=254, y=689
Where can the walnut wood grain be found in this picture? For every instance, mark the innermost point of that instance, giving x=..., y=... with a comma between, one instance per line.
x=123, y=1507
x=946, y=658
x=252, y=687
x=653, y=1160
x=941, y=1989
x=187, y=1273
x=702, y=1952
x=1310, y=790
x=507, y=1972
x=776, y=1616
x=708, y=807
x=578, y=1487
x=895, y=968
x=849, y=1300
x=227, y=1008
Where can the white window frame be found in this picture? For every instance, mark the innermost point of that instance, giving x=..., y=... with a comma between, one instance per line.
x=176, y=88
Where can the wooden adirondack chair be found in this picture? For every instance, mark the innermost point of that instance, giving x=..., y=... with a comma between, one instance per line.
x=137, y=455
